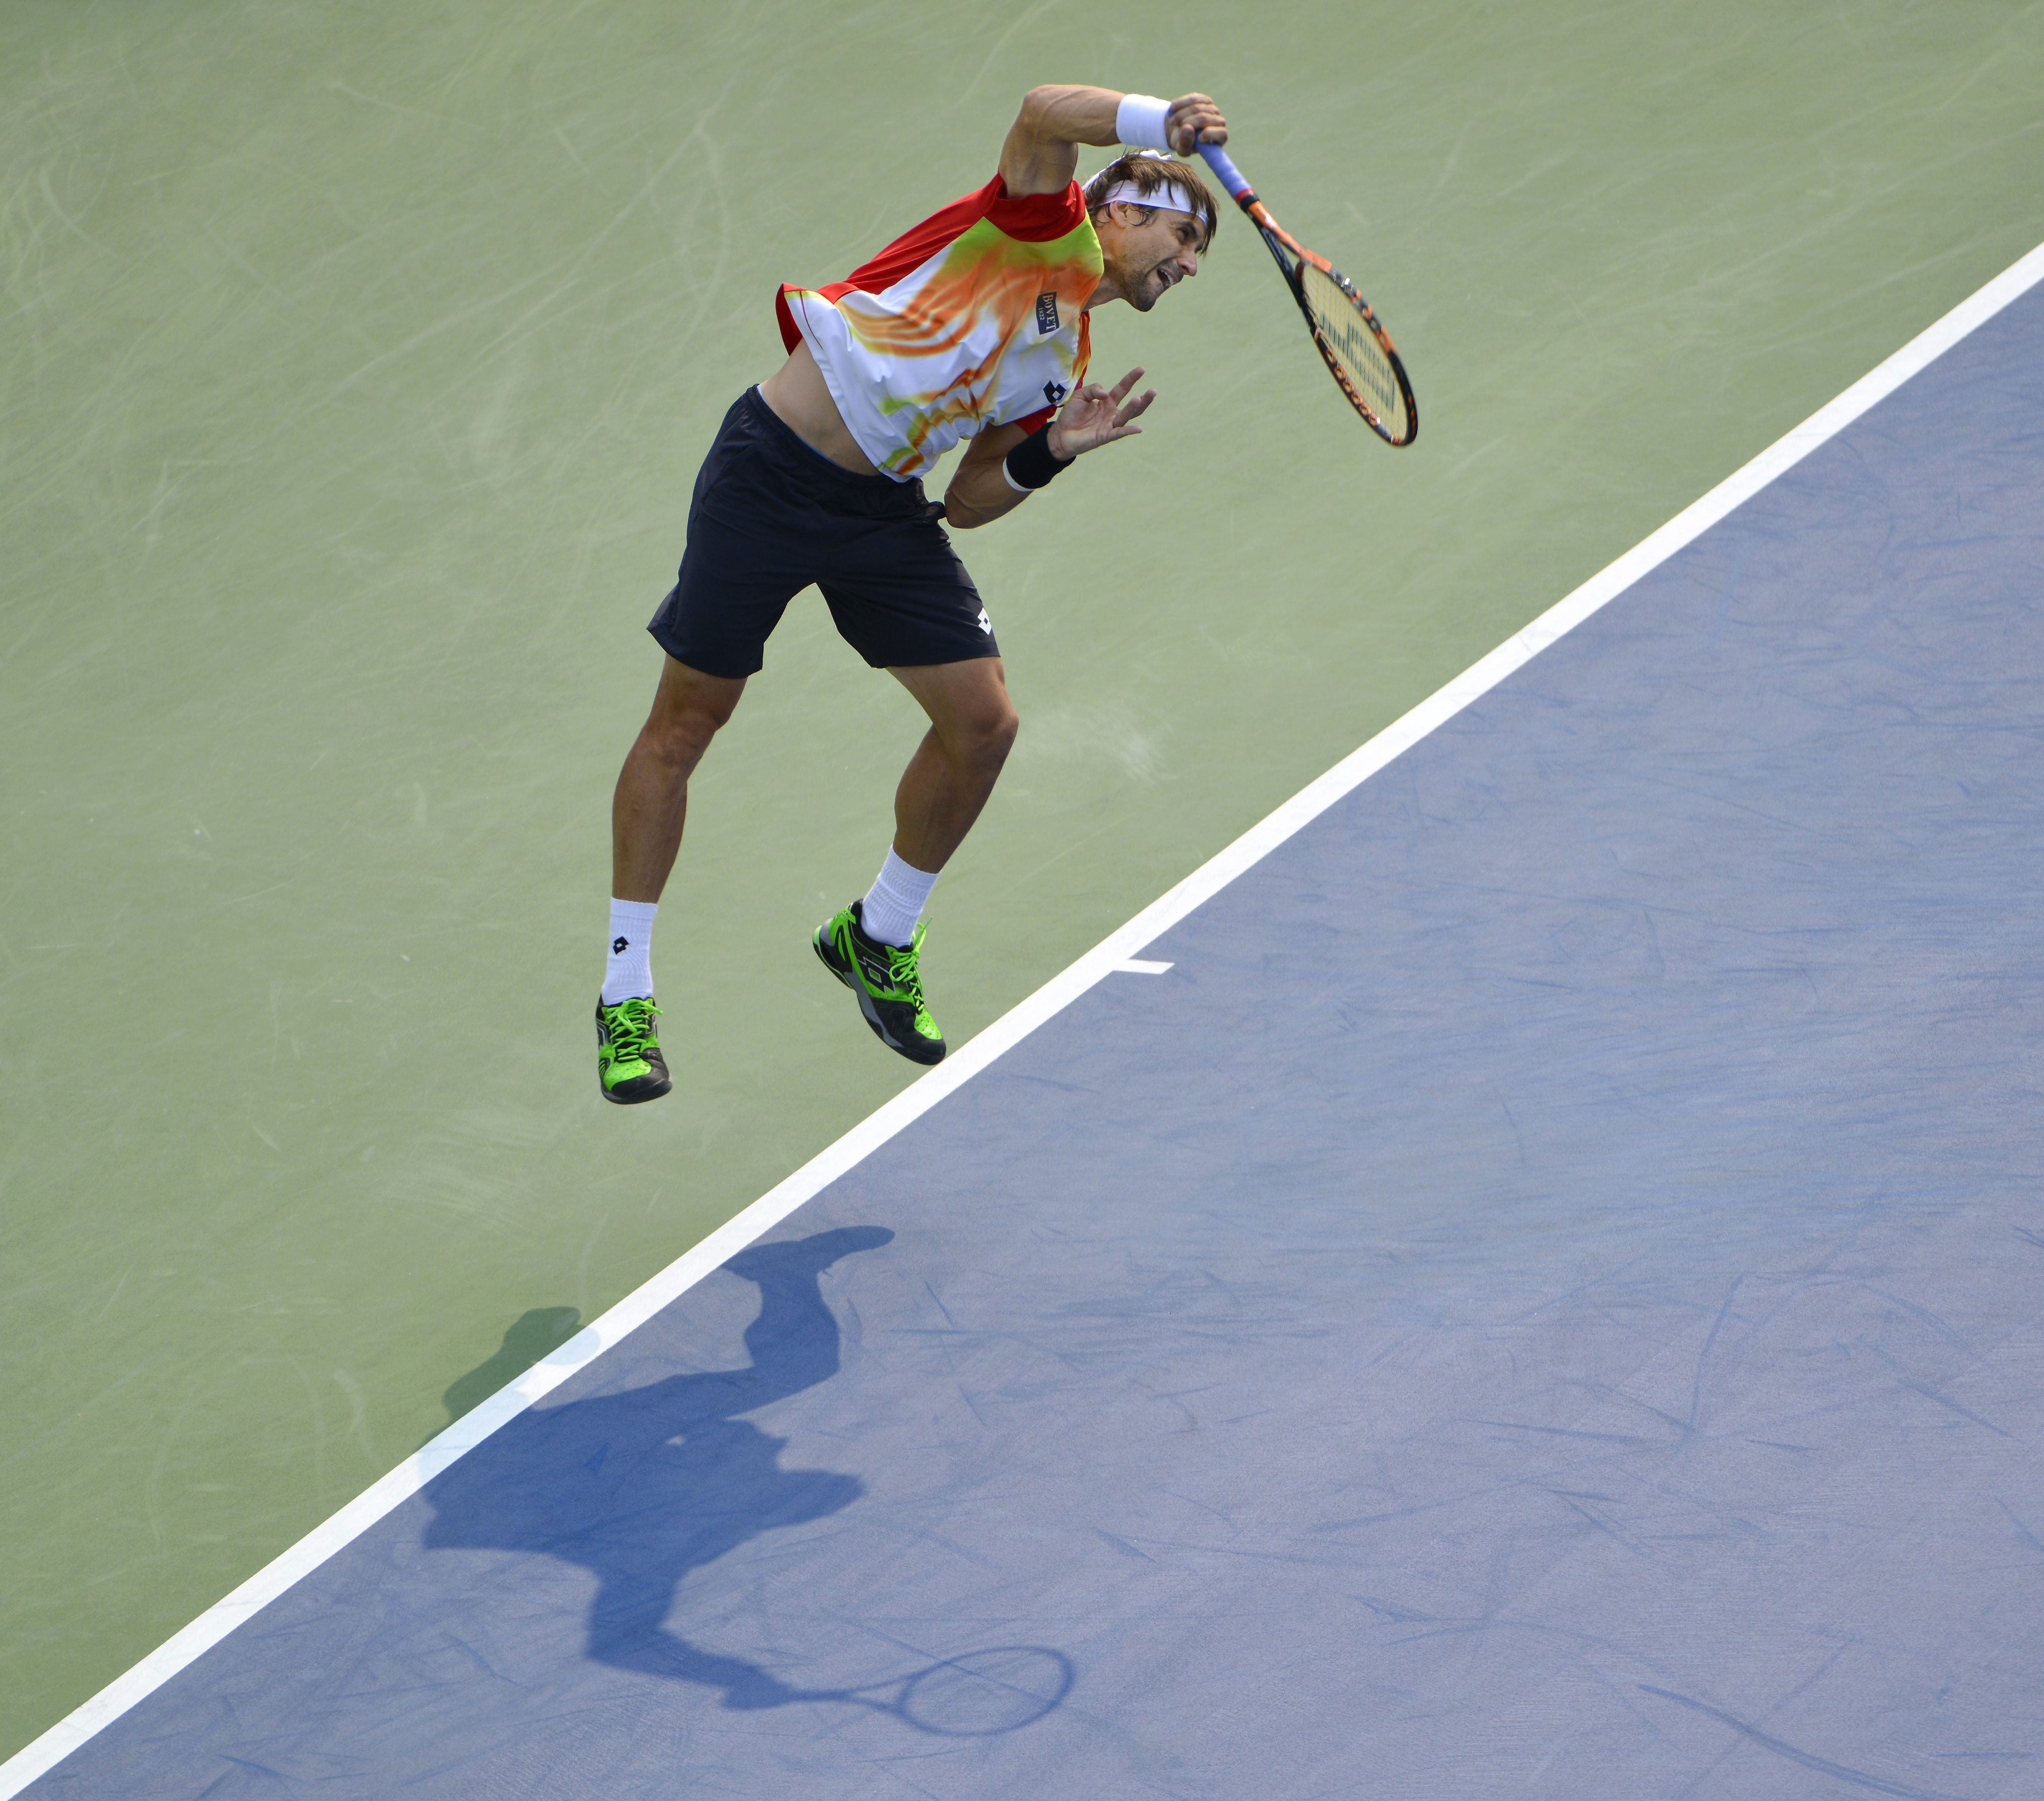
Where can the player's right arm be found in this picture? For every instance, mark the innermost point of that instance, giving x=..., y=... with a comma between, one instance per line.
x=1042, y=153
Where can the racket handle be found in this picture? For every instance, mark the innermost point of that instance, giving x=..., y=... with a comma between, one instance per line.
x=1231, y=178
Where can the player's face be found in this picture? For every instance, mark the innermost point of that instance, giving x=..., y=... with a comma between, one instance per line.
x=1148, y=258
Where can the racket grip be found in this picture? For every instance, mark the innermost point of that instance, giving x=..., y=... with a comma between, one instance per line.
x=1231, y=178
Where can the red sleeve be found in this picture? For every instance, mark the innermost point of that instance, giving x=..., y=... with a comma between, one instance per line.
x=1029, y=218
x=1033, y=218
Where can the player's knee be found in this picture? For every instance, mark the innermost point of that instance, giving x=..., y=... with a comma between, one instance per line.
x=689, y=711
x=679, y=734
x=1004, y=730
x=989, y=738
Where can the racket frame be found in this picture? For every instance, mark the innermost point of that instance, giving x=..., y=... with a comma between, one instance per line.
x=1289, y=255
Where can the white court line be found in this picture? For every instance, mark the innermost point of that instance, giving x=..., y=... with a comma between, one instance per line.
x=1139, y=966
x=1116, y=951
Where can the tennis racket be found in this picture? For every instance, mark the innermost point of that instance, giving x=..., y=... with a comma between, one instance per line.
x=1357, y=351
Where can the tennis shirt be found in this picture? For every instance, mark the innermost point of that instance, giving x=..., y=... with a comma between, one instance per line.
x=974, y=318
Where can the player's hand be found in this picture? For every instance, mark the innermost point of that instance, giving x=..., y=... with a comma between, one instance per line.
x=1192, y=121
x=1095, y=416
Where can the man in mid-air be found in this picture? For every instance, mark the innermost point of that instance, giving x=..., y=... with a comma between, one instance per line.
x=971, y=326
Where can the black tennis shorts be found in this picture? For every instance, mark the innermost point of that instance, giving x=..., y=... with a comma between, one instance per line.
x=771, y=515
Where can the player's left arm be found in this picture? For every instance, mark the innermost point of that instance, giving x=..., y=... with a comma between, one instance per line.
x=1042, y=153
x=980, y=491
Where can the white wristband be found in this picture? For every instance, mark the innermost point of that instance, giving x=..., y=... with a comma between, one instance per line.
x=1138, y=121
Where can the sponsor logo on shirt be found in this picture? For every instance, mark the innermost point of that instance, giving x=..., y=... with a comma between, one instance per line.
x=1047, y=314
x=1054, y=393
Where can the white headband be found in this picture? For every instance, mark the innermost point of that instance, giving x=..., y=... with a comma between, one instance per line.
x=1170, y=198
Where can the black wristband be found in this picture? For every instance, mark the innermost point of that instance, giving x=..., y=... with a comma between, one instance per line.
x=1030, y=465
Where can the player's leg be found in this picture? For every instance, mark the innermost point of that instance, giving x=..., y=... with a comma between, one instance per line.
x=750, y=550
x=902, y=599
x=646, y=813
x=651, y=799
x=950, y=778
x=873, y=946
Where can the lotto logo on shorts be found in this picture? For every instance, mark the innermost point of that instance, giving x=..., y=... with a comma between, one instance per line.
x=986, y=624
x=1047, y=314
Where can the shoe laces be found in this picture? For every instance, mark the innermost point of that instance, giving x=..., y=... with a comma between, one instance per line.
x=905, y=972
x=630, y=1027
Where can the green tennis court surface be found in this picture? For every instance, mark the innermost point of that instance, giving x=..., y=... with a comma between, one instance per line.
x=356, y=369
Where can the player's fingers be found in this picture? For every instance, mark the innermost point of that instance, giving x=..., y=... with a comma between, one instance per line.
x=1121, y=387
x=1194, y=120
x=1136, y=408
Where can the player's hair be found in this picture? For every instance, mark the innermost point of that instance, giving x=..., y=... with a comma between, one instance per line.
x=1149, y=172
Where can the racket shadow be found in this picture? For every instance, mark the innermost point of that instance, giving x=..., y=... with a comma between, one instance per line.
x=645, y=1487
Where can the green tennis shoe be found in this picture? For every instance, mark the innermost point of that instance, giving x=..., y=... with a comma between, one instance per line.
x=629, y=1067
x=887, y=980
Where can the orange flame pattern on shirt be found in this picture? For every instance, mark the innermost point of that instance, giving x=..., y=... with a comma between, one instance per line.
x=979, y=301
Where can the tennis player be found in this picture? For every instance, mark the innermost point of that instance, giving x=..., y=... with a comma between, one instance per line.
x=972, y=326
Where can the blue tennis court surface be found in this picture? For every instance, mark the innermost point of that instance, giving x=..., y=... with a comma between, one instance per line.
x=1542, y=1297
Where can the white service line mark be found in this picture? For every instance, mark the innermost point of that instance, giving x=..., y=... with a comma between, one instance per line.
x=1138, y=966
x=1114, y=952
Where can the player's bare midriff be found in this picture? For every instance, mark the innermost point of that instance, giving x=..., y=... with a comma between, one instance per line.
x=802, y=401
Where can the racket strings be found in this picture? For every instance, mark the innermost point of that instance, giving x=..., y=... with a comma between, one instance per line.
x=1338, y=319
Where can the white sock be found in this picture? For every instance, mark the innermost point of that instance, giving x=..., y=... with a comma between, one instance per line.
x=629, y=972
x=894, y=903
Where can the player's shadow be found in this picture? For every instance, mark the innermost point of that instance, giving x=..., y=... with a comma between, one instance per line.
x=644, y=1486
x=536, y=1333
